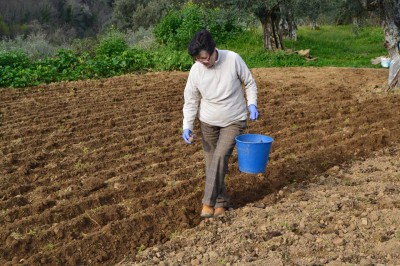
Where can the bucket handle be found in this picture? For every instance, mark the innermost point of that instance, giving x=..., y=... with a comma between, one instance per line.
x=248, y=124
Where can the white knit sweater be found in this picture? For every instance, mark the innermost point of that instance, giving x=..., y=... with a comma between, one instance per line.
x=216, y=93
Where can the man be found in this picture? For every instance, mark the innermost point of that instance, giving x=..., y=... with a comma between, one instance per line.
x=214, y=91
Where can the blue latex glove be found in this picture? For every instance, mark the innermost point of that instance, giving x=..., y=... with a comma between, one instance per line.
x=253, y=112
x=186, y=135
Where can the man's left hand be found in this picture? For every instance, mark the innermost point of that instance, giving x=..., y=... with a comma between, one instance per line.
x=253, y=112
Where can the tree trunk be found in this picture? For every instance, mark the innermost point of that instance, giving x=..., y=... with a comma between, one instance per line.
x=314, y=25
x=389, y=13
x=266, y=35
x=272, y=33
x=287, y=24
x=391, y=37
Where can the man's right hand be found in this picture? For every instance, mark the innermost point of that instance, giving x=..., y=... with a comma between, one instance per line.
x=186, y=135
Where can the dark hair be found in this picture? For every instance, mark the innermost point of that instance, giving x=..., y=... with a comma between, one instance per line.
x=202, y=40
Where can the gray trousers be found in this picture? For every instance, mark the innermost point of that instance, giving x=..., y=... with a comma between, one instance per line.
x=218, y=145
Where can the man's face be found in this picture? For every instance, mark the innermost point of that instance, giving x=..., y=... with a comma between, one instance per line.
x=208, y=60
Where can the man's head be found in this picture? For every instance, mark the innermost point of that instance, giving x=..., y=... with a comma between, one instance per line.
x=202, y=48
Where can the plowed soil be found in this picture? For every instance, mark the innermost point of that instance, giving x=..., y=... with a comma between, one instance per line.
x=94, y=171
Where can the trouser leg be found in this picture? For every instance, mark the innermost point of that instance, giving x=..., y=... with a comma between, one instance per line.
x=218, y=145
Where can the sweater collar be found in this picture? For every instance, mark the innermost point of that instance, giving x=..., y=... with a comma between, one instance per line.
x=218, y=56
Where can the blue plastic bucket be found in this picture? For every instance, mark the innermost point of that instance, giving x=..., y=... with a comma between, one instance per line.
x=253, y=152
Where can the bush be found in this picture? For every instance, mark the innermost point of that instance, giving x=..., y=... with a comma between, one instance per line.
x=178, y=27
x=136, y=59
x=168, y=27
x=17, y=77
x=16, y=70
x=16, y=58
x=166, y=59
x=87, y=45
x=193, y=19
x=113, y=44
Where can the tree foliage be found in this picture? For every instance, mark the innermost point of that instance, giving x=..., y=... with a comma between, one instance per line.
x=133, y=14
x=76, y=18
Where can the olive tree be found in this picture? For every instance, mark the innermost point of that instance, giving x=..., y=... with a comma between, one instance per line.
x=134, y=14
x=276, y=18
x=389, y=13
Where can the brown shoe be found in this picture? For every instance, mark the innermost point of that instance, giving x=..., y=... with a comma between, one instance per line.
x=207, y=211
x=219, y=211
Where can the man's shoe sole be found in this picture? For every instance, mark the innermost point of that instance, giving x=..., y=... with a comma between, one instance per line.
x=206, y=215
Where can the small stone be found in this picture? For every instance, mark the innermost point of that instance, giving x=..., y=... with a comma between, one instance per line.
x=323, y=261
x=179, y=256
x=302, y=225
x=259, y=205
x=365, y=262
x=351, y=227
x=364, y=221
x=119, y=186
x=338, y=241
x=195, y=262
x=264, y=227
x=334, y=169
x=374, y=216
x=213, y=255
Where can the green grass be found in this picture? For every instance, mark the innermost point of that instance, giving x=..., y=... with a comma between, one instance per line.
x=332, y=45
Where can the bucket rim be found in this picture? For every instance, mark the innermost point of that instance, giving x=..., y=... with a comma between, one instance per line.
x=270, y=139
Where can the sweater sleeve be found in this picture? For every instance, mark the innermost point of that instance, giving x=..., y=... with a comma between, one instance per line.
x=192, y=99
x=245, y=76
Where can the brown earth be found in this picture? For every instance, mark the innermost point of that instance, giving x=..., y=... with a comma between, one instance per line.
x=93, y=172
x=350, y=215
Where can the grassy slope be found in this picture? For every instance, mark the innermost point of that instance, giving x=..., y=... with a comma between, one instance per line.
x=332, y=45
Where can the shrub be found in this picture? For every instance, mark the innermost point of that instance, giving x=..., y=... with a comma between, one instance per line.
x=65, y=60
x=14, y=58
x=168, y=27
x=178, y=27
x=193, y=19
x=136, y=59
x=112, y=44
x=166, y=59
x=87, y=45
